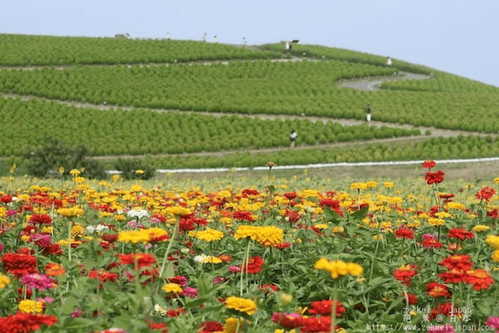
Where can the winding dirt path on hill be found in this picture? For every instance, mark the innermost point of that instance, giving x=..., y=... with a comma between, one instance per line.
x=374, y=83
x=152, y=64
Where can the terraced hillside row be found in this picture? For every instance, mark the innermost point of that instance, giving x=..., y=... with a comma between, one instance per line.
x=308, y=88
x=436, y=148
x=23, y=50
x=24, y=124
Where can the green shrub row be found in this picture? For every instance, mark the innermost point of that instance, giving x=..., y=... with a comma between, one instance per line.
x=22, y=50
x=26, y=124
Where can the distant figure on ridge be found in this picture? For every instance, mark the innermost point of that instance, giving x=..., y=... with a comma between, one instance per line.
x=388, y=61
x=292, y=138
x=368, y=113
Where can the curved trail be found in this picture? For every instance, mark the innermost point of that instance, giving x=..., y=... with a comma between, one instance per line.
x=374, y=83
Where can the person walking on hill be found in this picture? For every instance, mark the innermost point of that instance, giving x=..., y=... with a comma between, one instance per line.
x=292, y=138
x=368, y=113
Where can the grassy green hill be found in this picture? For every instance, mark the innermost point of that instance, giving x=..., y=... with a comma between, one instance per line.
x=64, y=87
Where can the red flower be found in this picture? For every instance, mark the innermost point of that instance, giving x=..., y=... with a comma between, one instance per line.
x=290, y=195
x=428, y=164
x=19, y=264
x=452, y=276
x=254, y=265
x=283, y=245
x=288, y=320
x=111, y=238
x=158, y=327
x=249, y=191
x=317, y=324
x=334, y=205
x=6, y=198
x=269, y=287
x=459, y=233
x=411, y=299
x=431, y=242
x=211, y=326
x=494, y=213
x=40, y=219
x=445, y=309
x=326, y=307
x=139, y=259
x=479, y=278
x=292, y=216
x=102, y=275
x=485, y=193
x=404, y=232
x=25, y=322
x=435, y=289
x=243, y=216
x=405, y=274
x=458, y=262
x=434, y=177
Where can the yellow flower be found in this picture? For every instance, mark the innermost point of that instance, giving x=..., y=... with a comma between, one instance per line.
x=172, y=288
x=496, y=180
x=338, y=229
x=241, y=304
x=70, y=211
x=30, y=306
x=358, y=186
x=77, y=230
x=321, y=226
x=74, y=172
x=233, y=325
x=338, y=268
x=265, y=235
x=436, y=222
x=139, y=172
x=480, y=227
x=443, y=215
x=208, y=235
x=4, y=281
x=455, y=205
x=388, y=184
x=493, y=241
x=495, y=256
x=178, y=211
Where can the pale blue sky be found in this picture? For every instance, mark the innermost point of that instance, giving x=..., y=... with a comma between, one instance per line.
x=458, y=36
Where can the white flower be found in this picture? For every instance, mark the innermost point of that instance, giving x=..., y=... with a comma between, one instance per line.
x=90, y=229
x=139, y=213
x=200, y=258
x=101, y=228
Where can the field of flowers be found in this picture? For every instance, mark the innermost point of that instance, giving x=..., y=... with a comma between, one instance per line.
x=359, y=257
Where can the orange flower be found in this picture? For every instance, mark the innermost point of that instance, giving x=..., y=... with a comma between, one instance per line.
x=53, y=269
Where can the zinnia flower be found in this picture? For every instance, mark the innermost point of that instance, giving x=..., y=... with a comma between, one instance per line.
x=485, y=193
x=434, y=177
x=241, y=304
x=29, y=306
x=25, y=322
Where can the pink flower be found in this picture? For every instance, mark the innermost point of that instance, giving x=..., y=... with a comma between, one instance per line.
x=218, y=280
x=441, y=329
x=493, y=322
x=76, y=313
x=47, y=300
x=11, y=212
x=190, y=292
x=234, y=269
x=37, y=281
x=134, y=224
x=1, y=247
